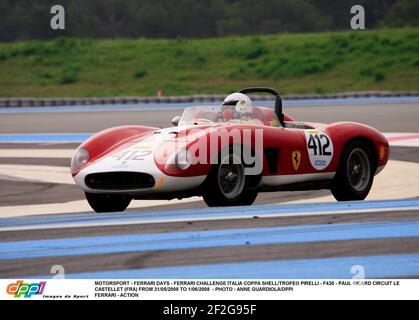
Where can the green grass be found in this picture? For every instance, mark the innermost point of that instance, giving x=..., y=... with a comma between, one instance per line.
x=292, y=63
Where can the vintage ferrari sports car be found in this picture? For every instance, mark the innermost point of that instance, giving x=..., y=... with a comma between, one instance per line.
x=227, y=154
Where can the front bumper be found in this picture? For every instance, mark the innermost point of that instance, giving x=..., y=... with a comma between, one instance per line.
x=162, y=183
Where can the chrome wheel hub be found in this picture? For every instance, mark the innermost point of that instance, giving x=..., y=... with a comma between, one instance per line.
x=231, y=178
x=359, y=169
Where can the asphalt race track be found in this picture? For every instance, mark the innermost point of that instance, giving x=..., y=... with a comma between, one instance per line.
x=45, y=222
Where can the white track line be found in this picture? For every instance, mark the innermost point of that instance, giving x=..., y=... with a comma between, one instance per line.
x=79, y=206
x=36, y=153
x=47, y=174
x=403, y=139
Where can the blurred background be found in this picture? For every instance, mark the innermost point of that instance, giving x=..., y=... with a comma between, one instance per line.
x=136, y=47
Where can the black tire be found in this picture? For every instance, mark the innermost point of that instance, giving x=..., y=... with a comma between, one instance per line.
x=102, y=203
x=215, y=190
x=355, y=175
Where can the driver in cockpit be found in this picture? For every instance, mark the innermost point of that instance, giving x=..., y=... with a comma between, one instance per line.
x=237, y=107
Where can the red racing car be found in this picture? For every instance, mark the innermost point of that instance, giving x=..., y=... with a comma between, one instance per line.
x=227, y=154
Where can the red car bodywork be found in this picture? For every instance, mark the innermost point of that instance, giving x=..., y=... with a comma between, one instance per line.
x=286, y=140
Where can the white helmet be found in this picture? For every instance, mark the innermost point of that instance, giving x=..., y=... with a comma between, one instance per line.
x=242, y=103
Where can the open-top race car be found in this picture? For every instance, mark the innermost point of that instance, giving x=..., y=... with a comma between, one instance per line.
x=227, y=154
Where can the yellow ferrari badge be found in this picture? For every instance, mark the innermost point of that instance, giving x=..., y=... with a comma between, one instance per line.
x=296, y=159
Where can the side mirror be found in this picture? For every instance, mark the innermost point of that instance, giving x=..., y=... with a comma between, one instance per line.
x=175, y=121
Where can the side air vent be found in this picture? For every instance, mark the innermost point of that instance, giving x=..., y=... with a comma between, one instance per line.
x=271, y=155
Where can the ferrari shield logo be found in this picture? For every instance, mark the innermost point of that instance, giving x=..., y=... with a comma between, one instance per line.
x=296, y=159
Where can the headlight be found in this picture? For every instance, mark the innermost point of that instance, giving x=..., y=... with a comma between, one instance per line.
x=183, y=159
x=80, y=158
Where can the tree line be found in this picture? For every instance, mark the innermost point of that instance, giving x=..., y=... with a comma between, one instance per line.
x=30, y=19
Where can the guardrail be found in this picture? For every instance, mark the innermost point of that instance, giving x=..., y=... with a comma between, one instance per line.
x=39, y=102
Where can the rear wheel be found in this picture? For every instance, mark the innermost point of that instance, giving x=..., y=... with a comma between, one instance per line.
x=355, y=175
x=228, y=185
x=102, y=203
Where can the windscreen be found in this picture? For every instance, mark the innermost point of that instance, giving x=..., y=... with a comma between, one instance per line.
x=227, y=114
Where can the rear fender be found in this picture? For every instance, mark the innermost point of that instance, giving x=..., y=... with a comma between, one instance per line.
x=344, y=132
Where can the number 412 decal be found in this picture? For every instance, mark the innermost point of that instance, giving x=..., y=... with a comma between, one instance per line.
x=320, y=149
x=135, y=154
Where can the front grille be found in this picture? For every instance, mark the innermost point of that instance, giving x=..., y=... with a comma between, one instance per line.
x=119, y=181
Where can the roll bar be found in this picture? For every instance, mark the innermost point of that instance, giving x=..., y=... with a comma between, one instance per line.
x=278, y=100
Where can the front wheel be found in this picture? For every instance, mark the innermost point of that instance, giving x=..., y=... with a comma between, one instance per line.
x=102, y=203
x=227, y=184
x=355, y=175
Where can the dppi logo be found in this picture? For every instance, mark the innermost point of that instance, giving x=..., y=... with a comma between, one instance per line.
x=27, y=290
